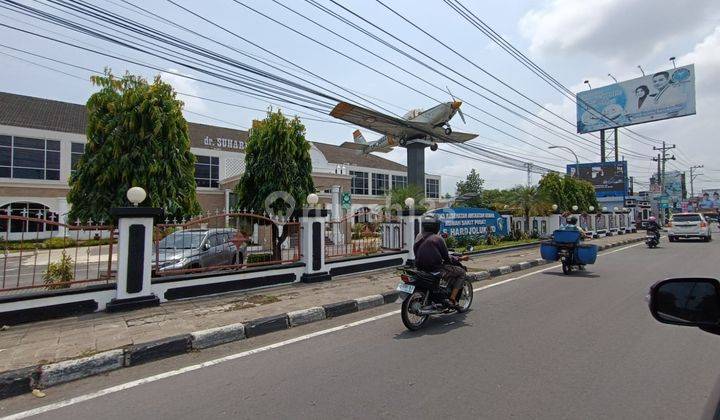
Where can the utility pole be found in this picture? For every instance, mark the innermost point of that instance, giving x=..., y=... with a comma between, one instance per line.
x=692, y=178
x=529, y=169
x=602, y=145
x=617, y=149
x=662, y=158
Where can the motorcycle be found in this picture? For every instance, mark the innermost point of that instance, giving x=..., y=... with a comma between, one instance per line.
x=423, y=295
x=652, y=239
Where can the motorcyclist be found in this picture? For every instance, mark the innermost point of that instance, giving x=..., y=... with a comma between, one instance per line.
x=571, y=224
x=431, y=255
x=653, y=227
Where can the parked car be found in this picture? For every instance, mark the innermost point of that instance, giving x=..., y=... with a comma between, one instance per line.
x=198, y=248
x=689, y=225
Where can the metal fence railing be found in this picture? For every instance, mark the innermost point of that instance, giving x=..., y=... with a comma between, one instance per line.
x=224, y=241
x=362, y=233
x=40, y=253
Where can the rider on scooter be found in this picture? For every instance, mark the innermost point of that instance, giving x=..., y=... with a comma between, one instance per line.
x=431, y=255
x=653, y=227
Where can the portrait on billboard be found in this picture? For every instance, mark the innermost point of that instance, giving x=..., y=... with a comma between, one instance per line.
x=658, y=96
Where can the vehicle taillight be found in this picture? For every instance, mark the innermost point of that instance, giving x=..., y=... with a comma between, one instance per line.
x=405, y=278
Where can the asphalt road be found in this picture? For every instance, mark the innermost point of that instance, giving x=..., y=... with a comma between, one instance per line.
x=543, y=345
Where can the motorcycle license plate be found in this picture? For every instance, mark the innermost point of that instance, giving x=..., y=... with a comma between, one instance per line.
x=407, y=288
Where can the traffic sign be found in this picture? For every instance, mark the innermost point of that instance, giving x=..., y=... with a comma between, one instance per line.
x=346, y=201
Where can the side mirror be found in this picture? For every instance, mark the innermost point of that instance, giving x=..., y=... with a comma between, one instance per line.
x=687, y=301
x=206, y=246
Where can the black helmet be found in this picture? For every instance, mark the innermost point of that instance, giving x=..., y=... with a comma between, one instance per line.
x=430, y=223
x=572, y=220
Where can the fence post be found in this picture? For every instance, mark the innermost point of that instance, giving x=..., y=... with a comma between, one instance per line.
x=134, y=265
x=410, y=220
x=312, y=237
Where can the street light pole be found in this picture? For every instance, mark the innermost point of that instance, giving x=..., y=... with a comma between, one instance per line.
x=577, y=161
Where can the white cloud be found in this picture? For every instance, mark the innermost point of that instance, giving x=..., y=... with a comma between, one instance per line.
x=615, y=29
x=185, y=85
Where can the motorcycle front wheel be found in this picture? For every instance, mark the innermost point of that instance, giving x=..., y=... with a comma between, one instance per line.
x=413, y=302
x=566, y=268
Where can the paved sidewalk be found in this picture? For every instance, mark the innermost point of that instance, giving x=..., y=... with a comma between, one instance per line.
x=50, y=341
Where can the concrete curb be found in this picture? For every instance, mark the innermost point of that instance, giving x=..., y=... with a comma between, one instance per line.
x=21, y=381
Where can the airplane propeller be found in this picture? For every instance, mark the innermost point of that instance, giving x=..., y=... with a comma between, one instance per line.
x=456, y=105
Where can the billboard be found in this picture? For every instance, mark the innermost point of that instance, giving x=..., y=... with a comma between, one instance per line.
x=658, y=96
x=465, y=221
x=675, y=186
x=608, y=178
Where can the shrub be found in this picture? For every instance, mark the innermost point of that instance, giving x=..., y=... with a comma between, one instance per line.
x=59, y=274
x=259, y=258
x=58, y=242
x=451, y=242
x=491, y=239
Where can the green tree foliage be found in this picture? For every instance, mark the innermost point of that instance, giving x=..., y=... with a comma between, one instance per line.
x=399, y=195
x=137, y=136
x=473, y=185
x=566, y=192
x=527, y=200
x=497, y=199
x=277, y=159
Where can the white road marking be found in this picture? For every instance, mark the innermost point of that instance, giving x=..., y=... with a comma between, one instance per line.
x=169, y=374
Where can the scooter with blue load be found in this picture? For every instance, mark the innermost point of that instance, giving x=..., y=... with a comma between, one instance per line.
x=565, y=247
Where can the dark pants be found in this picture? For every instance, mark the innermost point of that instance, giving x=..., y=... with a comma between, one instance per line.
x=454, y=275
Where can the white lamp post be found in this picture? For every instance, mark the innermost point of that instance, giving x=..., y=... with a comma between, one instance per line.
x=615, y=209
x=604, y=209
x=591, y=208
x=554, y=207
x=575, y=208
x=136, y=195
x=410, y=202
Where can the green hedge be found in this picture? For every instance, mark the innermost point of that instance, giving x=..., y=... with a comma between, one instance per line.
x=259, y=258
x=54, y=243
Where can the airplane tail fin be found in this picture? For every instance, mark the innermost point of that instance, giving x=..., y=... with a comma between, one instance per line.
x=358, y=137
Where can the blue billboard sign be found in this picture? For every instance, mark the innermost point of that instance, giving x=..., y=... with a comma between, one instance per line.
x=467, y=221
x=608, y=178
x=658, y=96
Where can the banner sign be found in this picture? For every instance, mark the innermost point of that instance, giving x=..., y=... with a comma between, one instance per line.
x=608, y=178
x=658, y=96
x=466, y=221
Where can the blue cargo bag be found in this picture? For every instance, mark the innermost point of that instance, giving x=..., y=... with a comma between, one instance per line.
x=586, y=254
x=548, y=251
x=566, y=237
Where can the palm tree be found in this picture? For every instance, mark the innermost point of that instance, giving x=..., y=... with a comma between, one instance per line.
x=528, y=200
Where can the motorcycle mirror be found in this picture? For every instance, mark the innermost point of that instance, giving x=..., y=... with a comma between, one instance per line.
x=687, y=301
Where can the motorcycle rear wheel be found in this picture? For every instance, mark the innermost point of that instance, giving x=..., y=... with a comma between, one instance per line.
x=466, y=297
x=566, y=268
x=411, y=321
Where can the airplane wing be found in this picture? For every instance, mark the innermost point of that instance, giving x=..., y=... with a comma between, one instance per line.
x=393, y=126
x=366, y=147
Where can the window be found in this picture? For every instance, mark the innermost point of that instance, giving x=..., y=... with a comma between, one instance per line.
x=379, y=184
x=27, y=158
x=76, y=151
x=29, y=210
x=432, y=188
x=207, y=171
x=359, y=183
x=399, y=181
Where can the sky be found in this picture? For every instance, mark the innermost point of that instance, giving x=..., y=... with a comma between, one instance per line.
x=571, y=40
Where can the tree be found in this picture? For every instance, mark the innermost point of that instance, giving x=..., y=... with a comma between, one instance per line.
x=472, y=186
x=566, y=192
x=397, y=197
x=277, y=159
x=137, y=136
x=528, y=200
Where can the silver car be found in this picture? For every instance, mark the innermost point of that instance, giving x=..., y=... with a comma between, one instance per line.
x=689, y=225
x=198, y=248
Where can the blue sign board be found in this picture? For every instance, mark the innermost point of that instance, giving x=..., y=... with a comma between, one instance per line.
x=467, y=221
x=608, y=178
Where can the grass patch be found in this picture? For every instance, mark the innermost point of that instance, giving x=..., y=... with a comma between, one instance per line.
x=503, y=244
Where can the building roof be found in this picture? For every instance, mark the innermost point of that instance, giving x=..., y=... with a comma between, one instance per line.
x=47, y=114
x=339, y=155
